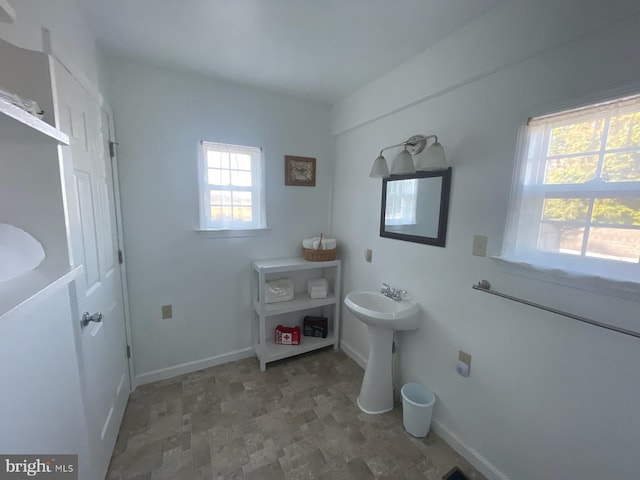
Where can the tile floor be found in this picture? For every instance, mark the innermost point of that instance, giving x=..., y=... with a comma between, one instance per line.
x=297, y=420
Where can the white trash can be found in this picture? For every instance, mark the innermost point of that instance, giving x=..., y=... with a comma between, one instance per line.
x=417, y=408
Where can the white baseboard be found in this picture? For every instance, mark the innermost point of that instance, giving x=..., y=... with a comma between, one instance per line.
x=189, y=367
x=471, y=455
x=353, y=354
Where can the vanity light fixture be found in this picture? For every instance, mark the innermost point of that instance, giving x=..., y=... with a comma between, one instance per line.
x=434, y=159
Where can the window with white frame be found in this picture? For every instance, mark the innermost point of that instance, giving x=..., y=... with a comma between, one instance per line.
x=231, y=187
x=576, y=198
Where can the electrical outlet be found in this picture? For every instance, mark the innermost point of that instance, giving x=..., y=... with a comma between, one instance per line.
x=464, y=357
x=167, y=311
x=479, y=246
x=368, y=255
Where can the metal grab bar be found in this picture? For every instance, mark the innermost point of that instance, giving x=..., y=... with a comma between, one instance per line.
x=485, y=286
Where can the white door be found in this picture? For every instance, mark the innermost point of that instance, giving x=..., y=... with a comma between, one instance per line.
x=92, y=224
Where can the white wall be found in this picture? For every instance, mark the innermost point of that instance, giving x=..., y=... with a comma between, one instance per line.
x=71, y=38
x=548, y=397
x=161, y=116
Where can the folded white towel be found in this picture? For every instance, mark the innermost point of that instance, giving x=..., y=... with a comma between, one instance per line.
x=317, y=294
x=314, y=243
x=317, y=283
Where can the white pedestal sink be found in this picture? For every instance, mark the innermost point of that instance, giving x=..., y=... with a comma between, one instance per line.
x=383, y=316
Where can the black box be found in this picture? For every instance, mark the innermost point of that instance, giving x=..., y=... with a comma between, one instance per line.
x=315, y=327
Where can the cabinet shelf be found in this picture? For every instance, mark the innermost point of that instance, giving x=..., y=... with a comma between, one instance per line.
x=301, y=301
x=18, y=126
x=272, y=351
x=300, y=269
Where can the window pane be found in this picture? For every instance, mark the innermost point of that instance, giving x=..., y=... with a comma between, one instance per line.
x=242, y=198
x=217, y=159
x=571, y=170
x=218, y=177
x=221, y=214
x=576, y=138
x=240, y=178
x=243, y=214
x=566, y=209
x=220, y=197
x=621, y=211
x=240, y=161
x=560, y=238
x=614, y=244
x=624, y=131
x=622, y=167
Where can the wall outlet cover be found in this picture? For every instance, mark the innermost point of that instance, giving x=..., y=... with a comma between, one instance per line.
x=167, y=312
x=464, y=357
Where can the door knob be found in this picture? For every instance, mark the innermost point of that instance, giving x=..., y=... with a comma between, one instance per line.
x=86, y=318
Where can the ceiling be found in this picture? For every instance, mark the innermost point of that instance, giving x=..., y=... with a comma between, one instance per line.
x=318, y=49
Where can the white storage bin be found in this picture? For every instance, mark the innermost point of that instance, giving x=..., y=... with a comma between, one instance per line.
x=278, y=290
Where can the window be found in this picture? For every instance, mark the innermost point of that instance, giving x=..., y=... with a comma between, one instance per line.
x=231, y=187
x=401, y=202
x=576, y=202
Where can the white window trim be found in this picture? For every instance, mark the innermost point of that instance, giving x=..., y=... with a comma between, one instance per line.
x=573, y=272
x=258, y=178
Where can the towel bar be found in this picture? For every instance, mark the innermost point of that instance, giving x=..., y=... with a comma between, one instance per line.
x=485, y=286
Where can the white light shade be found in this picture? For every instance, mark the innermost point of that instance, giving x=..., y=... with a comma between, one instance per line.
x=403, y=164
x=380, y=168
x=434, y=159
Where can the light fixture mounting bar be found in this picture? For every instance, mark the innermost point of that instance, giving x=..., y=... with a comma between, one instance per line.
x=414, y=145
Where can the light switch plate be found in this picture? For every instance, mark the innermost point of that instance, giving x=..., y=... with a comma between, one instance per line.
x=479, y=246
x=368, y=255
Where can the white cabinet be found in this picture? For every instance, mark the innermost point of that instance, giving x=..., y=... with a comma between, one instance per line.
x=32, y=196
x=266, y=316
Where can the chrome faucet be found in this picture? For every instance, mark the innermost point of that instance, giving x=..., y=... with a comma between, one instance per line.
x=393, y=293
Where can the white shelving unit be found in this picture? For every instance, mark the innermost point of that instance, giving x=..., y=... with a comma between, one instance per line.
x=31, y=166
x=264, y=315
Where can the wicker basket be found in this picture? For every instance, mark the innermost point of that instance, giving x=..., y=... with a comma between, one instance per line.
x=319, y=255
x=313, y=255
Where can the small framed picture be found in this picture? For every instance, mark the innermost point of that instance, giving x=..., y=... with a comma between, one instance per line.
x=299, y=171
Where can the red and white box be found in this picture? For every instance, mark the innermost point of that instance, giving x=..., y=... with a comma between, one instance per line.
x=287, y=335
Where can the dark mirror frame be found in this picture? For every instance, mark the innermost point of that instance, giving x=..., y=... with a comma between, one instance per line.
x=438, y=241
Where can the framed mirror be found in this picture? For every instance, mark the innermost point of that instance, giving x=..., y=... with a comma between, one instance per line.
x=415, y=207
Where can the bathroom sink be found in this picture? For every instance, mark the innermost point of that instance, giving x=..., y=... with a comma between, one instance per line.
x=376, y=310
x=383, y=316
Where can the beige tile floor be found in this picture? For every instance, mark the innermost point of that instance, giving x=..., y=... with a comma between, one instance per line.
x=297, y=420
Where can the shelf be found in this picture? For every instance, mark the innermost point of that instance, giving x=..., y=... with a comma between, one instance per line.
x=300, y=302
x=272, y=352
x=291, y=264
x=299, y=268
x=45, y=279
x=18, y=126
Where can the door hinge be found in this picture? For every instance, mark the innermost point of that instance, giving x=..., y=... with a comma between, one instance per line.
x=120, y=257
x=128, y=351
x=112, y=149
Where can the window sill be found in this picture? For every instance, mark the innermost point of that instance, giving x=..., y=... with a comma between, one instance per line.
x=220, y=233
x=629, y=290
